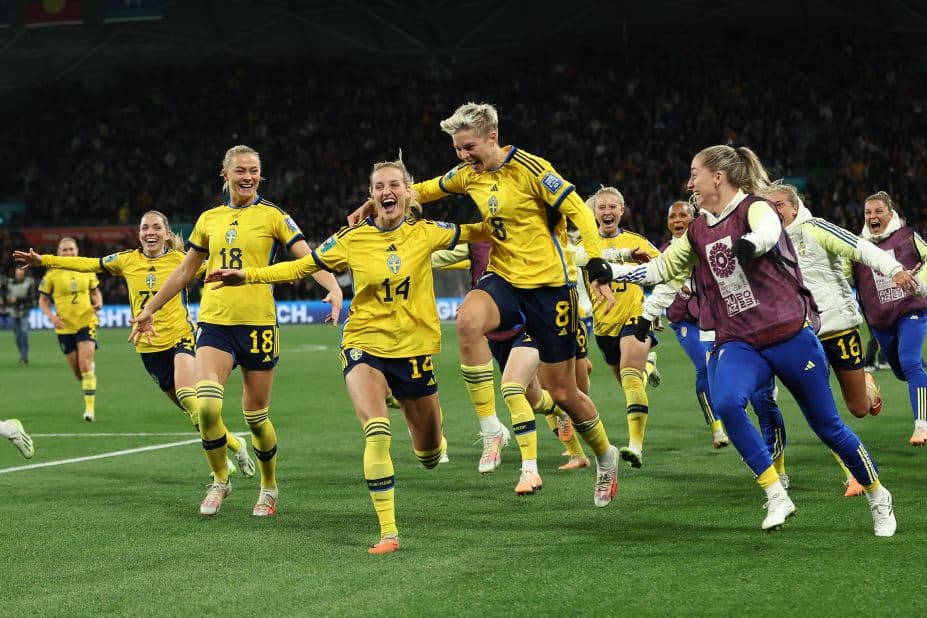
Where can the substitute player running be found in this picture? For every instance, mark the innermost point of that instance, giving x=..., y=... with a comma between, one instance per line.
x=236, y=326
x=392, y=330
x=76, y=298
x=169, y=356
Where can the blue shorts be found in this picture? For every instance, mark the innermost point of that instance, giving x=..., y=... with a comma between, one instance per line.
x=252, y=347
x=548, y=313
x=610, y=345
x=69, y=343
x=160, y=365
x=844, y=351
x=501, y=349
x=408, y=378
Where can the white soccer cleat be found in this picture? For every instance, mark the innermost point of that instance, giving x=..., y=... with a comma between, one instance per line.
x=216, y=493
x=266, y=505
x=634, y=457
x=779, y=507
x=654, y=377
x=21, y=439
x=492, y=450
x=606, y=480
x=245, y=463
x=784, y=480
x=883, y=516
x=89, y=416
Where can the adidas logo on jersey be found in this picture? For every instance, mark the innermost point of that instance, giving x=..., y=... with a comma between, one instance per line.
x=563, y=332
x=810, y=366
x=151, y=269
x=431, y=382
x=494, y=187
x=234, y=223
x=266, y=358
x=392, y=247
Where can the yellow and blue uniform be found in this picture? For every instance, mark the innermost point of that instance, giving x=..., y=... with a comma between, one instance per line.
x=70, y=292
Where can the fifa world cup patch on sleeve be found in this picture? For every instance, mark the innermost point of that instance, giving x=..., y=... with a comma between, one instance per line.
x=109, y=258
x=445, y=225
x=552, y=183
x=291, y=224
x=450, y=174
x=328, y=244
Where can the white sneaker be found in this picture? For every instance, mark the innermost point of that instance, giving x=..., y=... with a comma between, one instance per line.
x=492, y=450
x=21, y=439
x=779, y=507
x=89, y=416
x=784, y=480
x=245, y=463
x=216, y=493
x=883, y=516
x=719, y=439
x=654, y=378
x=606, y=480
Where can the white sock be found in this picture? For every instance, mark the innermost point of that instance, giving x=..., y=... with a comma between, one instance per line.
x=607, y=460
x=529, y=465
x=490, y=424
x=774, y=489
x=877, y=494
x=920, y=425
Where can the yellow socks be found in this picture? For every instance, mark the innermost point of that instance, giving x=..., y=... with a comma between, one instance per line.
x=264, y=441
x=522, y=423
x=88, y=382
x=430, y=459
x=209, y=396
x=593, y=432
x=632, y=382
x=378, y=471
x=768, y=478
x=186, y=397
x=479, y=382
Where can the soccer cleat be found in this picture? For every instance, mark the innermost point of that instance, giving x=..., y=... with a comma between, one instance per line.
x=89, y=416
x=387, y=544
x=919, y=438
x=444, y=458
x=779, y=507
x=575, y=463
x=653, y=379
x=606, y=480
x=719, y=439
x=266, y=505
x=564, y=428
x=21, y=439
x=492, y=450
x=632, y=456
x=883, y=516
x=784, y=480
x=874, y=395
x=216, y=493
x=853, y=488
x=245, y=463
x=528, y=483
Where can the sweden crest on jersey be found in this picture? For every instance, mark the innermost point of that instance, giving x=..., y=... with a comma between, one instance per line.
x=150, y=280
x=393, y=263
x=493, y=205
x=230, y=236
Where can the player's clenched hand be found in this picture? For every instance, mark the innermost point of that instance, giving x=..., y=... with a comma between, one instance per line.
x=603, y=294
x=225, y=276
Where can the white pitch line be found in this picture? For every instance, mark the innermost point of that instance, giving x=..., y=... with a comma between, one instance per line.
x=132, y=451
x=110, y=435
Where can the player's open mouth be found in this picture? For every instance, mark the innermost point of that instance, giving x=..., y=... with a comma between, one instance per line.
x=875, y=225
x=389, y=204
x=608, y=219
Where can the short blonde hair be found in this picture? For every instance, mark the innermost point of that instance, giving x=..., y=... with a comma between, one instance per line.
x=603, y=190
x=481, y=117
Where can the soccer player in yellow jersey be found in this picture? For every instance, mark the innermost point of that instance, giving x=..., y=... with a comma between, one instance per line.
x=76, y=298
x=169, y=356
x=392, y=330
x=624, y=353
x=524, y=203
x=236, y=326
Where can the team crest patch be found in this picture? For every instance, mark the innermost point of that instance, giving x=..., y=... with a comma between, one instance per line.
x=552, y=183
x=291, y=224
x=150, y=281
x=445, y=225
x=230, y=236
x=493, y=205
x=393, y=263
x=109, y=258
x=328, y=244
x=355, y=354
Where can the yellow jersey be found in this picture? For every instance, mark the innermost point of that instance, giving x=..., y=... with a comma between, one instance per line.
x=524, y=203
x=143, y=275
x=629, y=297
x=241, y=237
x=70, y=291
x=394, y=312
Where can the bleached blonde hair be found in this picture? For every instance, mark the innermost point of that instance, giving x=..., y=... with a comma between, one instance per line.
x=480, y=117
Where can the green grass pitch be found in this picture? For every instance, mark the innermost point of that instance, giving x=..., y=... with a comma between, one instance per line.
x=121, y=535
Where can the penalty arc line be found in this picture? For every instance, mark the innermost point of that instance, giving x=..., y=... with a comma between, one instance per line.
x=131, y=451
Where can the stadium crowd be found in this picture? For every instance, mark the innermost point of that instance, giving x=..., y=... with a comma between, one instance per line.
x=630, y=120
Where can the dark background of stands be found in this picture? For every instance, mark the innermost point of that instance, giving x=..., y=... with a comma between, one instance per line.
x=103, y=122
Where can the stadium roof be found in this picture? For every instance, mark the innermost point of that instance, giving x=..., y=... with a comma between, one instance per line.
x=220, y=31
